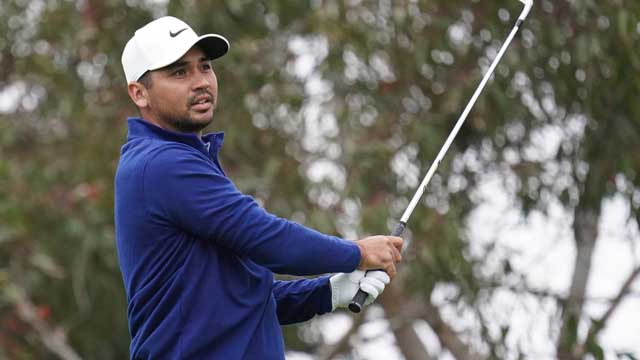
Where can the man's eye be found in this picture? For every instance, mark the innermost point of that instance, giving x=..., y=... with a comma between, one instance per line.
x=206, y=67
x=179, y=72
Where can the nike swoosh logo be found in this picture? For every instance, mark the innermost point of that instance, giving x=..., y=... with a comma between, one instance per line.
x=174, y=34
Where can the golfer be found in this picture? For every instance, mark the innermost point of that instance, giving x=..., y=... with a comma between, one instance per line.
x=197, y=256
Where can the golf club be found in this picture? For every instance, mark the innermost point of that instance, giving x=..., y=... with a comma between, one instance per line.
x=359, y=299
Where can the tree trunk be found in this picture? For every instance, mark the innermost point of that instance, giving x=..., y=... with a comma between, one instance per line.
x=399, y=309
x=585, y=228
x=402, y=312
x=447, y=336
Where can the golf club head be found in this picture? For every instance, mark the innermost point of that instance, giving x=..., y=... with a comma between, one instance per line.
x=527, y=7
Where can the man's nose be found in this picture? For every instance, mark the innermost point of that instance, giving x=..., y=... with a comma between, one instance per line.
x=201, y=81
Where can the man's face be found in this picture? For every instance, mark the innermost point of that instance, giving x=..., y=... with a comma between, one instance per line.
x=183, y=96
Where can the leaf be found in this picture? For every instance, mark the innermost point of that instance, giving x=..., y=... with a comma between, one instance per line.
x=626, y=356
x=504, y=331
x=623, y=22
x=595, y=349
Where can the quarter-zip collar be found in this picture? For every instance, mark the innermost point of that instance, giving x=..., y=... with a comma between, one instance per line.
x=209, y=144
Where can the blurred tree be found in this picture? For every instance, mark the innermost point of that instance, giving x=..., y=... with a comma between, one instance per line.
x=332, y=112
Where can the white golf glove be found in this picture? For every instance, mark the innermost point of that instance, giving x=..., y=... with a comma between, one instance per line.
x=344, y=286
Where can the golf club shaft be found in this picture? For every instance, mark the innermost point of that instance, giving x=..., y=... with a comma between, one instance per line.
x=358, y=300
x=456, y=129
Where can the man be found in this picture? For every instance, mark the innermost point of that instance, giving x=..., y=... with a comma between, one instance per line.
x=197, y=256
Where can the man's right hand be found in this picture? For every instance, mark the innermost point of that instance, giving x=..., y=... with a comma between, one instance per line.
x=380, y=253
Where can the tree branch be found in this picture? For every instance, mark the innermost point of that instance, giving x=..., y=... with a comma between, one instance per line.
x=332, y=350
x=624, y=290
x=447, y=336
x=599, y=324
x=54, y=339
x=585, y=228
x=400, y=310
x=402, y=315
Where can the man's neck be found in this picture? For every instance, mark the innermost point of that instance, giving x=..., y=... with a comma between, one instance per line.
x=164, y=125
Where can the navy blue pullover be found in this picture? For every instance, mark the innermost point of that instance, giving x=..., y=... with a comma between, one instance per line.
x=197, y=256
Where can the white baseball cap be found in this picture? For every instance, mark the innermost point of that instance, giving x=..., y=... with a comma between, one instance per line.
x=164, y=41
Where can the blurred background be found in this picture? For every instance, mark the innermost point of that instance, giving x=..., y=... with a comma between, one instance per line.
x=524, y=247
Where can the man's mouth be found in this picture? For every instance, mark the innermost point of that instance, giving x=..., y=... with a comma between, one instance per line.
x=202, y=103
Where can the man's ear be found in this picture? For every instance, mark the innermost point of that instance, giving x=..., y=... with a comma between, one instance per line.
x=138, y=93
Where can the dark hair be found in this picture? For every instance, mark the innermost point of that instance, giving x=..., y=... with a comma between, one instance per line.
x=145, y=80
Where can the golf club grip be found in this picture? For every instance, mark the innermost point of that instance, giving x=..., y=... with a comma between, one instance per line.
x=358, y=300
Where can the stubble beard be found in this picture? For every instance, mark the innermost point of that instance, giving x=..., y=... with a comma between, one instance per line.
x=187, y=124
x=184, y=122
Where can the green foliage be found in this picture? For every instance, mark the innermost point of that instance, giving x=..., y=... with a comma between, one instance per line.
x=626, y=356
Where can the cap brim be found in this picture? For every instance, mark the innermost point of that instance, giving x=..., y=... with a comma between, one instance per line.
x=213, y=45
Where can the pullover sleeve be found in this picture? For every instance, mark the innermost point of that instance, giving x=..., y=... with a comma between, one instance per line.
x=300, y=300
x=185, y=189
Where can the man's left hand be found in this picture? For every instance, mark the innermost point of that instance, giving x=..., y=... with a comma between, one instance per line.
x=345, y=285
